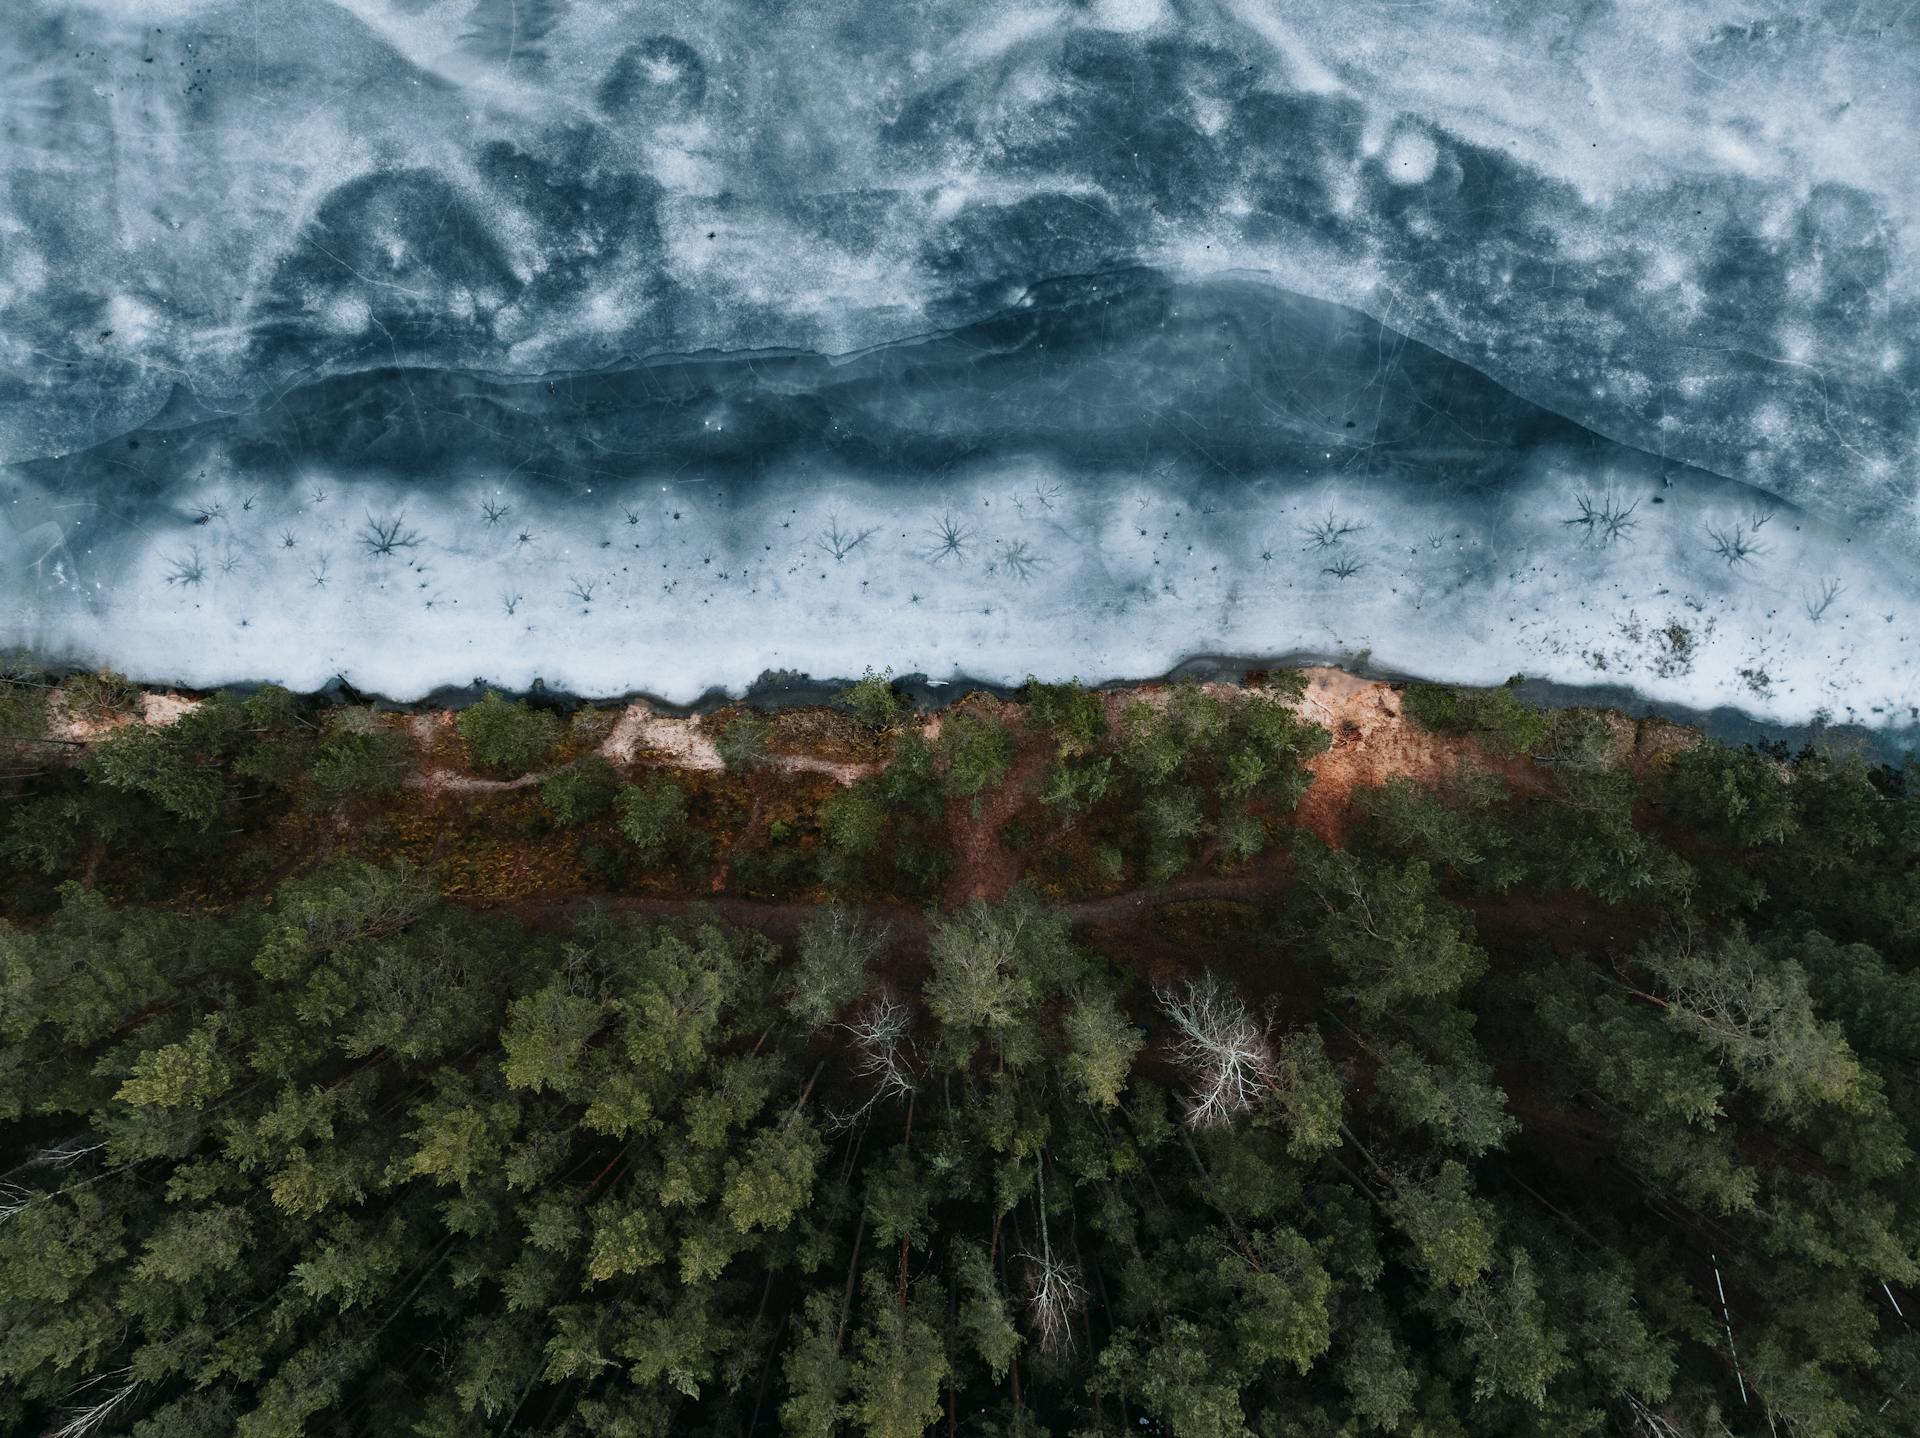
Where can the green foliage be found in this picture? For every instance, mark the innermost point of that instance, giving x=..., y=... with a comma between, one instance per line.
x=183, y=766
x=742, y=742
x=1499, y=719
x=1387, y=932
x=653, y=816
x=1452, y=1231
x=1069, y=712
x=897, y=1374
x=992, y=965
x=1512, y=1082
x=102, y=696
x=23, y=703
x=975, y=753
x=1101, y=1046
x=1753, y=1012
x=584, y=790
x=837, y=950
x=1734, y=793
x=357, y=758
x=509, y=737
x=873, y=699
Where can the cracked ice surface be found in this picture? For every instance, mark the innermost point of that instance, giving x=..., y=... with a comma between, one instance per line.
x=1572, y=340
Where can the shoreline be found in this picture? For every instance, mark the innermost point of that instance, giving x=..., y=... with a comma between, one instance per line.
x=776, y=690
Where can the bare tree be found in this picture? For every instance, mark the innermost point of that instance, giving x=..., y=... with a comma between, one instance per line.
x=1649, y=1423
x=1054, y=1290
x=83, y=1421
x=1226, y=1052
x=881, y=1036
x=67, y=1152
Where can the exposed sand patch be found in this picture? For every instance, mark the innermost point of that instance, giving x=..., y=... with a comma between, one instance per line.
x=65, y=724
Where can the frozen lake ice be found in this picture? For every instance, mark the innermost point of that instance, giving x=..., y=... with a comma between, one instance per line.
x=639, y=347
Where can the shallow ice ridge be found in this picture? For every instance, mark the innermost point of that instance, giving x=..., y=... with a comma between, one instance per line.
x=1115, y=473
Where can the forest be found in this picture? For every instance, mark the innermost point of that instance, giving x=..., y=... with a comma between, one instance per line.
x=1043, y=1070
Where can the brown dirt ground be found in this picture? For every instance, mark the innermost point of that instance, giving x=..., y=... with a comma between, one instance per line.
x=1373, y=741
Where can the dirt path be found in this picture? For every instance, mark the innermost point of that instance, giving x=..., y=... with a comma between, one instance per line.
x=983, y=866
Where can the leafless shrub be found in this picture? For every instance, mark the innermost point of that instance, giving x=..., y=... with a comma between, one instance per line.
x=841, y=542
x=383, y=538
x=950, y=539
x=1736, y=544
x=186, y=569
x=1225, y=1051
x=1605, y=519
x=1819, y=601
x=1328, y=532
x=1342, y=568
x=1020, y=560
x=582, y=590
x=493, y=510
x=287, y=539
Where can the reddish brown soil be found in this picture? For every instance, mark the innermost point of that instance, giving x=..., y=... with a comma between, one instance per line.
x=983, y=866
x=1372, y=743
